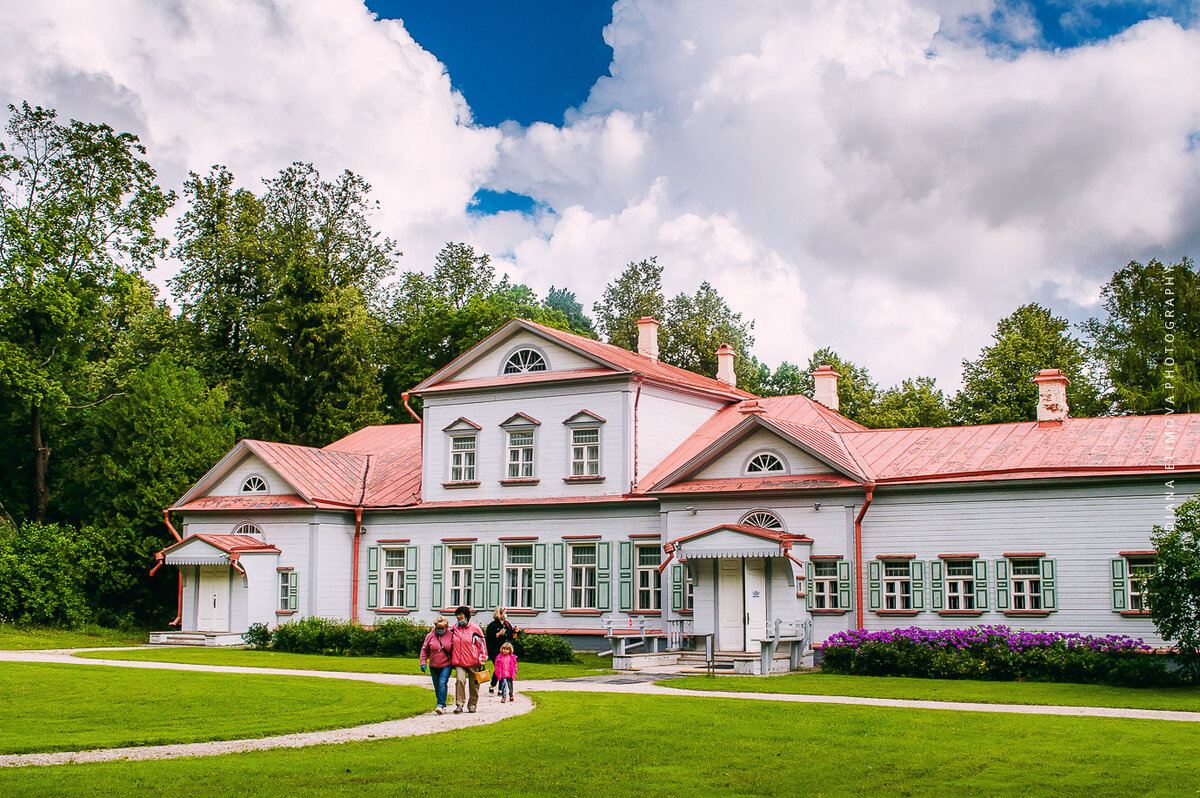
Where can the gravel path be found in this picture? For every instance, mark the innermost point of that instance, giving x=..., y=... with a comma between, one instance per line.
x=490, y=709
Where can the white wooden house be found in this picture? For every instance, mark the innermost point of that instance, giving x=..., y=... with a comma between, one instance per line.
x=590, y=489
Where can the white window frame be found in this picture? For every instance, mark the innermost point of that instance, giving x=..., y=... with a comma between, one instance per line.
x=897, y=587
x=247, y=528
x=518, y=578
x=758, y=518
x=458, y=577
x=755, y=464
x=524, y=360
x=689, y=589
x=960, y=587
x=285, y=591
x=585, y=455
x=581, y=585
x=1026, y=588
x=1135, y=582
x=521, y=456
x=647, y=580
x=255, y=484
x=463, y=462
x=391, y=579
x=825, y=585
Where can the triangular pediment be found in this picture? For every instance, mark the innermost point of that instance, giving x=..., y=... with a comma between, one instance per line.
x=461, y=424
x=520, y=420
x=584, y=417
x=231, y=472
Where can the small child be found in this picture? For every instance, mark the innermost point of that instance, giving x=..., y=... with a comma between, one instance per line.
x=506, y=671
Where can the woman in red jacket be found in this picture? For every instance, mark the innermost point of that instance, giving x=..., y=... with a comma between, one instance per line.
x=467, y=653
x=436, y=653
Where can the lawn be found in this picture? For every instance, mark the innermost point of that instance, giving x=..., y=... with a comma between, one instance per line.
x=75, y=707
x=589, y=744
x=588, y=665
x=12, y=638
x=1075, y=695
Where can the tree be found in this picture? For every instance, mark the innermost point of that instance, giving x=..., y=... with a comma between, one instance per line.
x=1174, y=587
x=997, y=386
x=697, y=325
x=857, y=391
x=637, y=292
x=913, y=403
x=1149, y=343
x=77, y=211
x=564, y=302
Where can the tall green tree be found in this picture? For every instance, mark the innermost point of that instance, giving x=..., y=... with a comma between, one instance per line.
x=997, y=386
x=563, y=301
x=78, y=205
x=697, y=325
x=1148, y=343
x=913, y=403
x=637, y=292
x=1175, y=585
x=857, y=390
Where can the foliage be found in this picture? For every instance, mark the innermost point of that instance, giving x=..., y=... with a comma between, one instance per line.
x=997, y=386
x=258, y=636
x=912, y=403
x=543, y=648
x=44, y=573
x=1174, y=587
x=997, y=653
x=857, y=391
x=563, y=301
x=697, y=325
x=1149, y=342
x=637, y=292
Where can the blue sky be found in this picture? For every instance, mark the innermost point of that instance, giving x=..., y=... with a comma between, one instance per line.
x=886, y=177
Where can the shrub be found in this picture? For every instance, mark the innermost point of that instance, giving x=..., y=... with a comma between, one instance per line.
x=44, y=569
x=543, y=648
x=314, y=636
x=258, y=636
x=998, y=653
x=399, y=637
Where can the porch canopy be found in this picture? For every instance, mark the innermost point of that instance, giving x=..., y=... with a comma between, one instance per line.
x=205, y=549
x=729, y=541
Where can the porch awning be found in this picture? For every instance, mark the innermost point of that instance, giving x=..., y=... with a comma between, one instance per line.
x=205, y=549
x=183, y=559
x=685, y=553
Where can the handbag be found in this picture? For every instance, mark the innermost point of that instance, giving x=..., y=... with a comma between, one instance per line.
x=482, y=675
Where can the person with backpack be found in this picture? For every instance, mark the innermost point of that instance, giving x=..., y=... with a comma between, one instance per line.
x=468, y=655
x=436, y=652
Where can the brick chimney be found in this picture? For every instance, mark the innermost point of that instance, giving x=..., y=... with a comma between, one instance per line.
x=825, y=386
x=725, y=373
x=1052, y=396
x=648, y=337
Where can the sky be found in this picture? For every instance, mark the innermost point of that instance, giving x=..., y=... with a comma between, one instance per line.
x=886, y=177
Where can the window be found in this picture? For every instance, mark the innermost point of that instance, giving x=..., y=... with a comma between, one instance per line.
x=689, y=588
x=897, y=585
x=247, y=528
x=523, y=361
x=583, y=577
x=520, y=454
x=462, y=458
x=585, y=452
x=765, y=463
x=254, y=484
x=393, y=578
x=960, y=584
x=825, y=585
x=518, y=577
x=648, y=579
x=1026, y=584
x=285, y=591
x=460, y=576
x=763, y=520
x=1139, y=569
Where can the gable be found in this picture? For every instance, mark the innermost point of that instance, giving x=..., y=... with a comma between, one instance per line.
x=490, y=361
x=194, y=551
x=251, y=465
x=732, y=463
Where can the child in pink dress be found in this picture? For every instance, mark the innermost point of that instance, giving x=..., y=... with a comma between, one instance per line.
x=506, y=670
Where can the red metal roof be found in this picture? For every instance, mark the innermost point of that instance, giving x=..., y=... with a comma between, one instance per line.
x=321, y=475
x=519, y=379
x=393, y=476
x=745, y=529
x=250, y=502
x=229, y=544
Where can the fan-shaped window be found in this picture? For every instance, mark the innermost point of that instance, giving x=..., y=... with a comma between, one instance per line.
x=524, y=361
x=765, y=463
x=247, y=529
x=254, y=484
x=763, y=520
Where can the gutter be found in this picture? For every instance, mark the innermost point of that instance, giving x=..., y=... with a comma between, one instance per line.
x=358, y=511
x=405, y=396
x=179, y=600
x=858, y=569
x=639, y=378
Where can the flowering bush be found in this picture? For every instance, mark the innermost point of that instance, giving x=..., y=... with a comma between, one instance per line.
x=998, y=653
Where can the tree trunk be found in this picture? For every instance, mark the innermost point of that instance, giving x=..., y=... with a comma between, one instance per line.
x=41, y=459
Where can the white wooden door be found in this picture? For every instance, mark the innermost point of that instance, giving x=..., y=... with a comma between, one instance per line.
x=756, y=603
x=731, y=613
x=212, y=610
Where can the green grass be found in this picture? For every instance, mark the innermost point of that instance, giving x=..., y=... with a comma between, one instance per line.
x=14, y=639
x=1073, y=695
x=593, y=745
x=75, y=707
x=588, y=665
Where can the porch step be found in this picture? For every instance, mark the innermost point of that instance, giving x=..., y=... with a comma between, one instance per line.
x=195, y=639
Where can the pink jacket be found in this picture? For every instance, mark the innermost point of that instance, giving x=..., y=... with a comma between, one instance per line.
x=506, y=666
x=468, y=648
x=434, y=650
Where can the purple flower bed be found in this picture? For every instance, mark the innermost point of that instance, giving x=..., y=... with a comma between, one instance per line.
x=998, y=653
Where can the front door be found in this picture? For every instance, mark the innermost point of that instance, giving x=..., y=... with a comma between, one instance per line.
x=731, y=611
x=212, y=610
x=756, y=602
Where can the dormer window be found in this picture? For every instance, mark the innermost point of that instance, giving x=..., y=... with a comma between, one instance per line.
x=766, y=463
x=520, y=432
x=462, y=458
x=254, y=484
x=247, y=528
x=524, y=361
x=763, y=520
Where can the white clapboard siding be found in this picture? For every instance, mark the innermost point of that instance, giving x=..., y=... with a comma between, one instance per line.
x=733, y=462
x=491, y=362
x=665, y=420
x=231, y=484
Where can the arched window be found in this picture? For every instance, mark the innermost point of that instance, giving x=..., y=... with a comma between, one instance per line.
x=524, y=361
x=247, y=528
x=765, y=463
x=254, y=484
x=763, y=520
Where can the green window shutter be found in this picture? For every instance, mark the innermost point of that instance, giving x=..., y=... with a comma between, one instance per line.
x=372, y=577
x=559, y=580
x=293, y=590
x=493, y=583
x=1118, y=585
x=844, y=586
x=410, y=577
x=539, y=576
x=875, y=580
x=981, y=591
x=677, y=587
x=604, y=576
x=937, y=585
x=1001, y=584
x=437, y=578
x=808, y=579
x=479, y=577
x=625, y=576
x=916, y=575
x=1049, y=586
